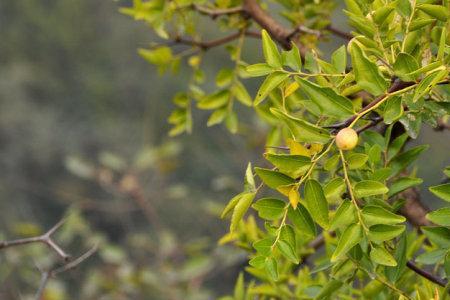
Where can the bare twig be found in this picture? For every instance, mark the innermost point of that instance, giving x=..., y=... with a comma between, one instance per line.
x=46, y=238
x=425, y=274
x=340, y=33
x=47, y=275
x=217, y=12
x=206, y=45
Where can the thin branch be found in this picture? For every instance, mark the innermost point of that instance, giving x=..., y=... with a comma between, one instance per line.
x=47, y=275
x=396, y=86
x=206, y=45
x=340, y=33
x=46, y=238
x=425, y=274
x=217, y=12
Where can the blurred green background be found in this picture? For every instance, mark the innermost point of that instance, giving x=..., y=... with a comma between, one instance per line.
x=82, y=122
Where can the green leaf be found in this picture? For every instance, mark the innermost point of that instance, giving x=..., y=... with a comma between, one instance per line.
x=405, y=64
x=381, y=256
x=345, y=215
x=420, y=23
x=287, y=251
x=270, y=83
x=292, y=165
x=239, y=289
x=287, y=244
x=438, y=235
x=224, y=77
x=339, y=59
x=327, y=99
x=264, y=246
x=217, y=117
x=440, y=216
x=377, y=215
x=350, y=238
x=402, y=184
x=241, y=94
x=270, y=50
x=273, y=179
x=356, y=160
x=393, y=110
x=328, y=289
x=249, y=179
x=240, y=209
x=272, y=268
x=269, y=208
x=303, y=131
x=368, y=188
x=400, y=162
x=215, y=100
x=258, y=261
x=334, y=189
x=258, y=70
x=381, y=14
x=302, y=220
x=367, y=74
x=429, y=82
x=380, y=233
x=159, y=56
x=438, y=11
x=292, y=58
x=404, y=8
x=442, y=191
x=396, y=146
x=231, y=204
x=394, y=273
x=432, y=257
x=316, y=202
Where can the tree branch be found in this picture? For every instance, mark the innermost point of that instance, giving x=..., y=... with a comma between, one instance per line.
x=217, y=12
x=425, y=274
x=396, y=86
x=340, y=33
x=277, y=31
x=46, y=238
x=47, y=275
x=206, y=45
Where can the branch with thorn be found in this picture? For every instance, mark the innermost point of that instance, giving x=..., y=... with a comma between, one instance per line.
x=47, y=275
x=46, y=239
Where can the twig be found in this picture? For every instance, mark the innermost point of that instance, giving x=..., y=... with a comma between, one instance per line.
x=345, y=35
x=425, y=274
x=47, y=275
x=217, y=12
x=206, y=45
x=396, y=86
x=46, y=238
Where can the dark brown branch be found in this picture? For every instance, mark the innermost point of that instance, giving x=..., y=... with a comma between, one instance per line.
x=262, y=18
x=413, y=209
x=345, y=35
x=47, y=275
x=217, y=12
x=46, y=238
x=206, y=45
x=425, y=274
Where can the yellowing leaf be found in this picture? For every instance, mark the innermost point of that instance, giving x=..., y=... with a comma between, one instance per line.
x=294, y=196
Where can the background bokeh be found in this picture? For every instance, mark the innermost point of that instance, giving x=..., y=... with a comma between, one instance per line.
x=82, y=122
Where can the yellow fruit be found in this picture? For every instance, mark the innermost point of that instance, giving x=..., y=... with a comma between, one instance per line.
x=346, y=139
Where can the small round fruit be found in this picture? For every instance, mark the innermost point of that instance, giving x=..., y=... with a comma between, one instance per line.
x=346, y=139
